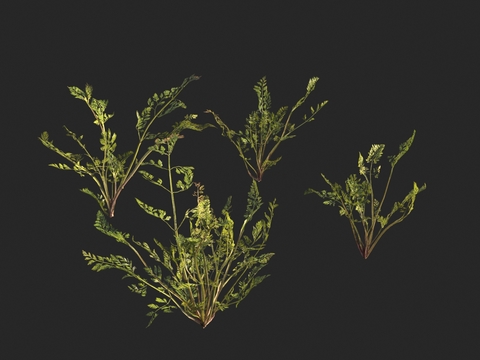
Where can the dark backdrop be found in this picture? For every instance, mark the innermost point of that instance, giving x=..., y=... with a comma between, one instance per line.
x=385, y=67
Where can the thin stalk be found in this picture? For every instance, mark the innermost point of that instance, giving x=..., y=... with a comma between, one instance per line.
x=386, y=189
x=123, y=183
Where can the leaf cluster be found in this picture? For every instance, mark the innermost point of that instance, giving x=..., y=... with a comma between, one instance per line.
x=266, y=129
x=358, y=203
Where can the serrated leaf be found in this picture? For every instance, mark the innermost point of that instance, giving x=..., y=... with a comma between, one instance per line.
x=403, y=148
x=375, y=153
x=60, y=166
x=158, y=213
x=77, y=92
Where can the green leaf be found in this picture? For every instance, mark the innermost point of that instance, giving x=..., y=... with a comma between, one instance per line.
x=61, y=166
x=310, y=87
x=188, y=123
x=98, y=198
x=362, y=169
x=140, y=288
x=77, y=92
x=403, y=148
x=158, y=213
x=102, y=225
x=375, y=153
x=264, y=99
x=254, y=201
x=149, y=177
x=160, y=105
x=187, y=172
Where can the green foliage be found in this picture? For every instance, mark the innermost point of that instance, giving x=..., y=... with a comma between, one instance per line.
x=111, y=172
x=265, y=130
x=207, y=264
x=200, y=273
x=358, y=203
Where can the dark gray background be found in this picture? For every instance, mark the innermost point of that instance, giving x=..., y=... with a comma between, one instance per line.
x=385, y=67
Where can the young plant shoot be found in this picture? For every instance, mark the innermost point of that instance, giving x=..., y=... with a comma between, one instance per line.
x=265, y=130
x=112, y=172
x=358, y=203
x=199, y=273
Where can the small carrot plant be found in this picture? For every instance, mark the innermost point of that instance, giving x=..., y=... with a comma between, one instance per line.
x=265, y=130
x=359, y=204
x=112, y=172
